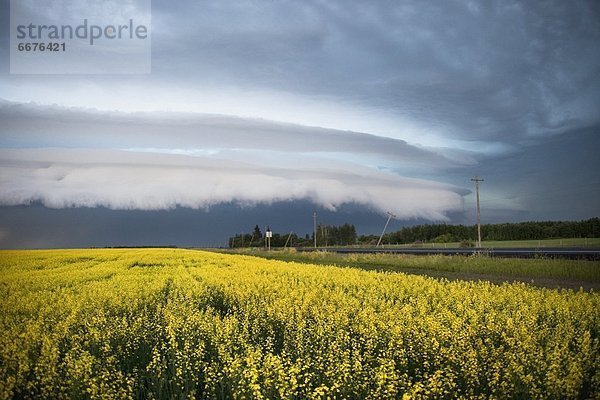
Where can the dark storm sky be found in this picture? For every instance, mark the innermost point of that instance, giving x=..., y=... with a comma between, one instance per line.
x=261, y=110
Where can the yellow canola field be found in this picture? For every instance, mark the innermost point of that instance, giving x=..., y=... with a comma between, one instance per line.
x=169, y=323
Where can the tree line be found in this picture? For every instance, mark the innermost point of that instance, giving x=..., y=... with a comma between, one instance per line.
x=327, y=235
x=344, y=235
x=531, y=230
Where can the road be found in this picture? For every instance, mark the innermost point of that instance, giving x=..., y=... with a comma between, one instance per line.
x=517, y=252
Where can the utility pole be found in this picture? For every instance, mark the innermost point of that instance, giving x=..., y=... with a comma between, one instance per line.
x=390, y=216
x=288, y=239
x=315, y=227
x=477, y=179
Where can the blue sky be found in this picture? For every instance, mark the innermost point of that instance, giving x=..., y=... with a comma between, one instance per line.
x=371, y=106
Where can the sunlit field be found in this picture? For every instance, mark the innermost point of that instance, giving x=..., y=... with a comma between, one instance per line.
x=553, y=272
x=170, y=323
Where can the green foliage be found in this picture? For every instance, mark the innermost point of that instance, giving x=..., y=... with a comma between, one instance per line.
x=164, y=324
x=330, y=235
x=509, y=231
x=445, y=238
x=327, y=235
x=257, y=233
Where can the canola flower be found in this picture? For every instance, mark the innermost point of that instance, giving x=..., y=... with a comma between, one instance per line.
x=169, y=323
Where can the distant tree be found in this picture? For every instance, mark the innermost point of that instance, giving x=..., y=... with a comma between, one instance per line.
x=257, y=233
x=346, y=234
x=530, y=230
x=445, y=238
x=331, y=235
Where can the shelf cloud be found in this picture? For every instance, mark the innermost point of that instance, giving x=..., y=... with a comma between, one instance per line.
x=392, y=106
x=86, y=158
x=121, y=180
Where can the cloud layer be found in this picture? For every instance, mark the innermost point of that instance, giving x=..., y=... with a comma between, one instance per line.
x=125, y=180
x=383, y=104
x=31, y=125
x=84, y=158
x=445, y=74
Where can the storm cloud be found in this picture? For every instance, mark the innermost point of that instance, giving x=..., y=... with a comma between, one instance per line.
x=487, y=77
x=390, y=106
x=124, y=180
x=84, y=158
x=32, y=125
